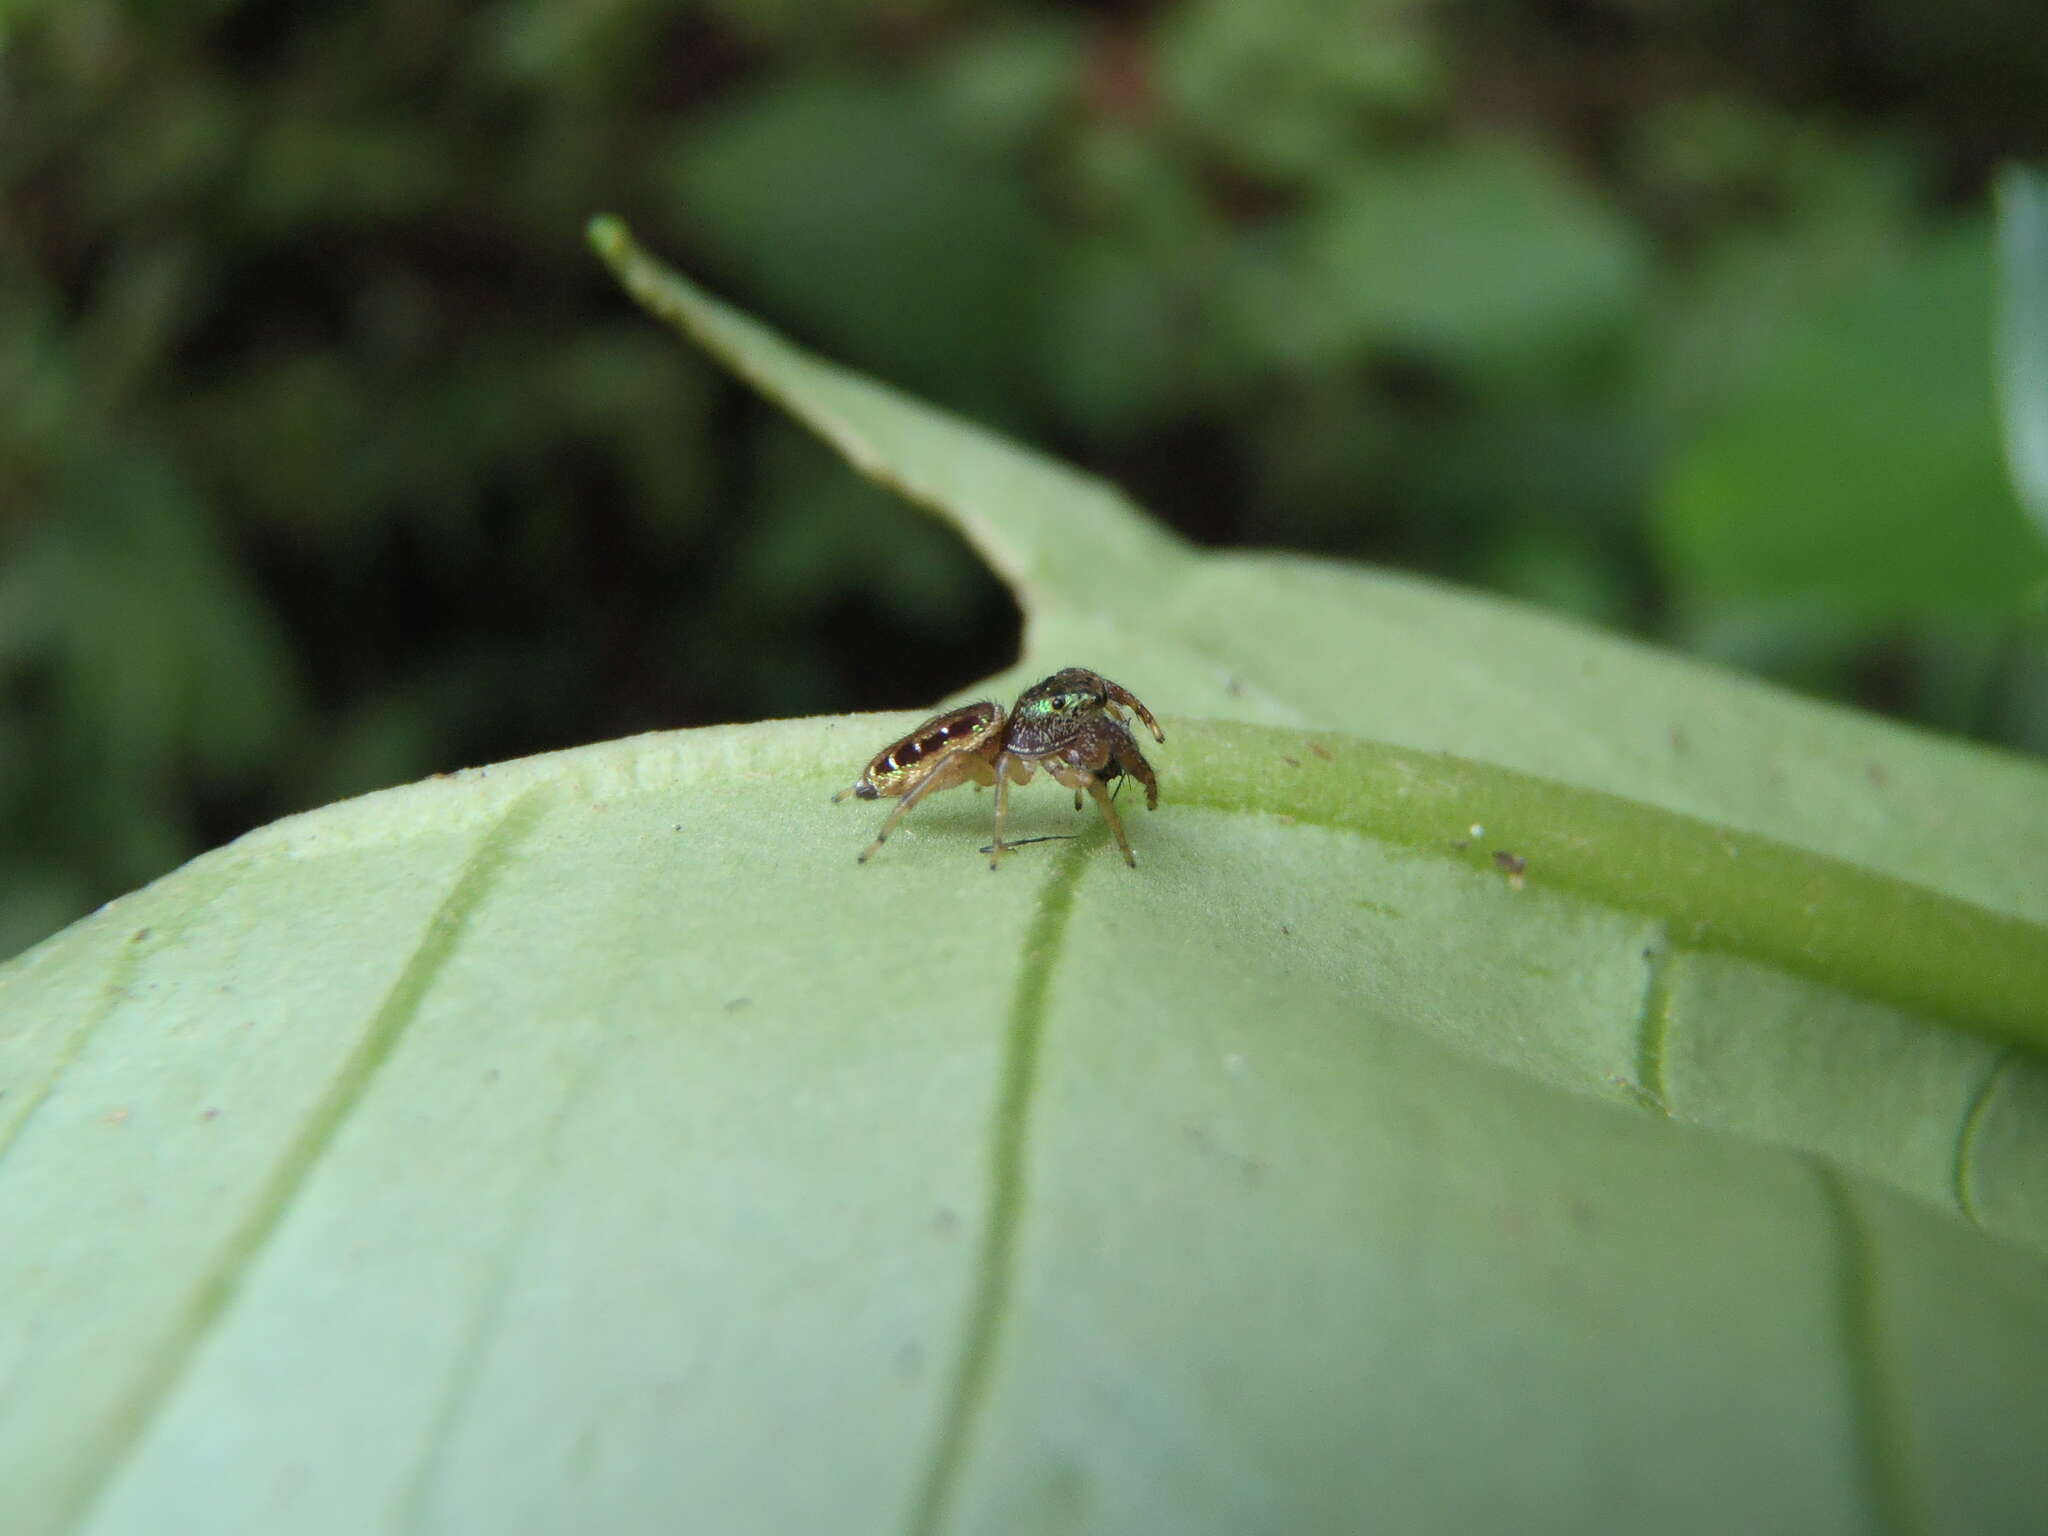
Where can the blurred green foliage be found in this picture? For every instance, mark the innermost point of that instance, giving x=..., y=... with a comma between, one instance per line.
x=329, y=459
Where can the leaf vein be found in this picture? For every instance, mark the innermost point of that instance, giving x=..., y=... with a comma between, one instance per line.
x=1008, y=1135
x=1875, y=1427
x=1653, y=1030
x=1973, y=1122
x=216, y=1290
x=120, y=976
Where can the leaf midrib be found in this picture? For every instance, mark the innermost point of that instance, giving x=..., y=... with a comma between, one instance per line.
x=1716, y=889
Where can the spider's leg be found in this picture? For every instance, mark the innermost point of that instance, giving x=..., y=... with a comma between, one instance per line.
x=1132, y=762
x=1004, y=764
x=1122, y=695
x=1115, y=822
x=940, y=776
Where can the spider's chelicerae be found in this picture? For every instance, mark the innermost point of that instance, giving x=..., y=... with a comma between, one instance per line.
x=1071, y=725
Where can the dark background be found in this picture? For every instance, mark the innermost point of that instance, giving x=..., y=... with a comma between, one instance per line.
x=330, y=458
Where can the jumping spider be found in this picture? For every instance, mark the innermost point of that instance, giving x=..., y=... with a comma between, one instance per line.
x=1071, y=725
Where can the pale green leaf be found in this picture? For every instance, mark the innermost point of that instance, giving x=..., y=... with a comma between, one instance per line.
x=589, y=1143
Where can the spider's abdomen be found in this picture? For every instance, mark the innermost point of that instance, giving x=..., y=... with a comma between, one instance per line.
x=970, y=728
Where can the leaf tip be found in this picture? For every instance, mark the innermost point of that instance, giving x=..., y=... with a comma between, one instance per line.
x=609, y=236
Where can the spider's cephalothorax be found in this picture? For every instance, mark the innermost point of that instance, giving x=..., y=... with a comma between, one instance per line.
x=1071, y=725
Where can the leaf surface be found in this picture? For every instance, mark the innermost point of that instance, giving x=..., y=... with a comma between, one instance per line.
x=1631, y=1118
